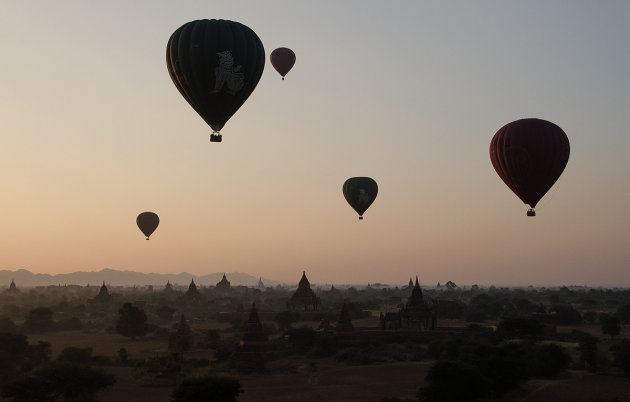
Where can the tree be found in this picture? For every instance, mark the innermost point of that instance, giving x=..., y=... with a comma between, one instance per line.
x=29, y=388
x=451, y=381
x=590, y=316
x=302, y=339
x=546, y=360
x=13, y=349
x=73, y=382
x=623, y=313
x=520, y=328
x=76, y=355
x=622, y=356
x=165, y=313
x=588, y=352
x=284, y=319
x=39, y=319
x=132, y=321
x=38, y=354
x=567, y=315
x=209, y=388
x=611, y=326
x=6, y=324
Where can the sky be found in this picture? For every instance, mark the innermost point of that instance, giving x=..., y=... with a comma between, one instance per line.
x=409, y=93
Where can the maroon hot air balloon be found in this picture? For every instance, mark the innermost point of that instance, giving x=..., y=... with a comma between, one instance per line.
x=148, y=222
x=282, y=59
x=529, y=155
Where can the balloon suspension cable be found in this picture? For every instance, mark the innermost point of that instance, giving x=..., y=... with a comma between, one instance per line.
x=531, y=212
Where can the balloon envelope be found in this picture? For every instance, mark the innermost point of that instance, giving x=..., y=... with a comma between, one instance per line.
x=215, y=65
x=529, y=155
x=360, y=192
x=148, y=222
x=282, y=59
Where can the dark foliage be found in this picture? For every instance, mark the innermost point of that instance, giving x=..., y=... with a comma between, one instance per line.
x=38, y=354
x=165, y=313
x=611, y=326
x=502, y=365
x=519, y=328
x=210, y=388
x=590, y=316
x=546, y=360
x=30, y=388
x=566, y=315
x=13, y=348
x=132, y=321
x=284, y=319
x=76, y=355
x=39, y=319
x=588, y=352
x=622, y=356
x=301, y=339
x=224, y=352
x=69, y=325
x=623, y=313
x=59, y=379
x=6, y=325
x=452, y=381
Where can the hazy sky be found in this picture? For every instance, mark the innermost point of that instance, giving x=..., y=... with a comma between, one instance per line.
x=409, y=93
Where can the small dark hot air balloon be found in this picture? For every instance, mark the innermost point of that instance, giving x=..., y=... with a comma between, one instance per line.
x=148, y=222
x=282, y=59
x=360, y=192
x=215, y=65
x=529, y=155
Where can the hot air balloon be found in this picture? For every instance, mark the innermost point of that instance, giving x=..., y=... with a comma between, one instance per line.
x=360, y=192
x=215, y=65
x=148, y=222
x=282, y=59
x=529, y=155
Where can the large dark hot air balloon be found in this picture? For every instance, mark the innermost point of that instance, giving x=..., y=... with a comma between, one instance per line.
x=148, y=222
x=529, y=155
x=282, y=59
x=215, y=65
x=360, y=192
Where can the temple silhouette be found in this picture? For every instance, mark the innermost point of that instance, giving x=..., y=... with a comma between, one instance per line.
x=416, y=314
x=304, y=298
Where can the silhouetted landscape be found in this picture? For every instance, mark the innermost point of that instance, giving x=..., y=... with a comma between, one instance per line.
x=311, y=342
x=299, y=201
x=125, y=278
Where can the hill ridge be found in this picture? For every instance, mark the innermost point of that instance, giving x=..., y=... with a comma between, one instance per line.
x=115, y=277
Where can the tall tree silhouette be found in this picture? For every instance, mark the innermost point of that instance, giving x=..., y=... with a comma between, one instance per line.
x=132, y=321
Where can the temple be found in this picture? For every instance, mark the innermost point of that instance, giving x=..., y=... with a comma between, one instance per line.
x=416, y=314
x=223, y=284
x=12, y=290
x=103, y=298
x=182, y=339
x=261, y=285
x=304, y=298
x=192, y=294
x=344, y=323
x=250, y=354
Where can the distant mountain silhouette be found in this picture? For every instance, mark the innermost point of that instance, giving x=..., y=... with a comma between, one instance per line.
x=114, y=277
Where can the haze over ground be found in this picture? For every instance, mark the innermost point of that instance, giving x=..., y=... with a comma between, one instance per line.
x=408, y=93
